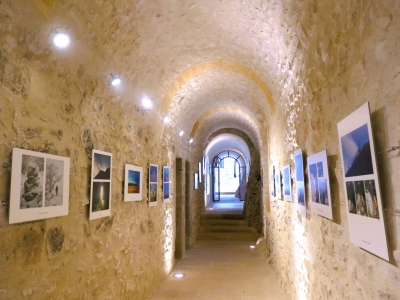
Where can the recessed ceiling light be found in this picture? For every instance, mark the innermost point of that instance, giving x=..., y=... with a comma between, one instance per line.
x=191, y=141
x=181, y=133
x=115, y=80
x=146, y=102
x=252, y=247
x=166, y=119
x=61, y=40
x=179, y=275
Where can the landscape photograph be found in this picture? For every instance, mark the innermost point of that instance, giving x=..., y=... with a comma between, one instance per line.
x=133, y=182
x=313, y=174
x=101, y=196
x=286, y=181
x=102, y=166
x=166, y=191
x=351, y=197
x=356, y=152
x=153, y=173
x=165, y=174
x=323, y=191
x=153, y=192
x=299, y=167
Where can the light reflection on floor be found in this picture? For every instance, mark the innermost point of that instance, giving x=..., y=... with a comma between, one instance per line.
x=228, y=204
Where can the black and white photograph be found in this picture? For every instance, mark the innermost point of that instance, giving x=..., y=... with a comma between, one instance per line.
x=39, y=186
x=153, y=184
x=100, y=189
x=54, y=182
x=359, y=169
x=287, y=187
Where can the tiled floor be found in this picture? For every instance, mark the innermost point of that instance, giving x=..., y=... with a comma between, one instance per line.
x=219, y=270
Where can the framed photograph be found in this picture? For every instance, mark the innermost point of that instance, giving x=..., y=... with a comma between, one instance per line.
x=133, y=185
x=319, y=184
x=39, y=186
x=272, y=180
x=100, y=189
x=153, y=184
x=166, y=183
x=278, y=186
x=360, y=178
x=196, y=181
x=200, y=171
x=287, y=187
x=301, y=196
x=207, y=174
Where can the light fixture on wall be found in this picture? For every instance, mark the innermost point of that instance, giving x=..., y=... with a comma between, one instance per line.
x=59, y=37
x=181, y=133
x=252, y=247
x=179, y=275
x=191, y=140
x=115, y=79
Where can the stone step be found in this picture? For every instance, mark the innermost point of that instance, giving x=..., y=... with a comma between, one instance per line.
x=229, y=228
x=211, y=222
x=223, y=216
x=228, y=236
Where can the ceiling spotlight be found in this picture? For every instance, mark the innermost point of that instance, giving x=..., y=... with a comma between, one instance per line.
x=179, y=275
x=146, y=102
x=115, y=79
x=191, y=141
x=252, y=247
x=166, y=119
x=60, y=38
x=181, y=133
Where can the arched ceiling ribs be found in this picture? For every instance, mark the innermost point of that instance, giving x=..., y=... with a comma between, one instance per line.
x=210, y=112
x=226, y=65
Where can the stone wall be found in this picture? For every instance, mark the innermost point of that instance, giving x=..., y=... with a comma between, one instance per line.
x=347, y=54
x=60, y=102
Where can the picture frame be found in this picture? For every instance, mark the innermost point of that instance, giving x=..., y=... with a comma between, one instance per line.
x=319, y=184
x=196, y=181
x=39, y=186
x=200, y=171
x=166, y=183
x=272, y=180
x=278, y=186
x=300, y=187
x=287, y=186
x=133, y=185
x=361, y=183
x=100, y=187
x=153, y=184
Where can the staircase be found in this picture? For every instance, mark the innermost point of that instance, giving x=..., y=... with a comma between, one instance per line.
x=226, y=227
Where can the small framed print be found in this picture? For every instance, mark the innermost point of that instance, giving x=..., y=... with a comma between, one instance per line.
x=200, y=171
x=166, y=174
x=196, y=181
x=278, y=186
x=301, y=196
x=100, y=190
x=272, y=180
x=39, y=186
x=153, y=184
x=133, y=183
x=287, y=187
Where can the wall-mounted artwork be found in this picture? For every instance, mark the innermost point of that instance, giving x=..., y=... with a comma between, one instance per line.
x=200, y=172
x=133, y=183
x=100, y=189
x=166, y=183
x=301, y=196
x=196, y=181
x=287, y=187
x=153, y=184
x=272, y=180
x=319, y=184
x=207, y=174
x=278, y=186
x=364, y=206
x=39, y=186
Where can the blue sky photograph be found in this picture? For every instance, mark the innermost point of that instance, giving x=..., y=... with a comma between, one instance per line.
x=298, y=159
x=133, y=177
